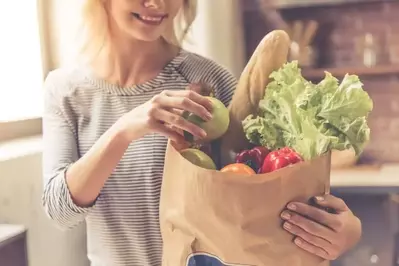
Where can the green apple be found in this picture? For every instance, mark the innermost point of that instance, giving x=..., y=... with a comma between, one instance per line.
x=214, y=128
x=199, y=158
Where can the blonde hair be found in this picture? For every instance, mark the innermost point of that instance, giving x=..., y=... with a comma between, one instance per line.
x=97, y=32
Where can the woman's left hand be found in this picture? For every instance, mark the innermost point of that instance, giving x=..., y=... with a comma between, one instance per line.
x=327, y=235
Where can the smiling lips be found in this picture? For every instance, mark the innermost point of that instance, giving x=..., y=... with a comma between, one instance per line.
x=150, y=20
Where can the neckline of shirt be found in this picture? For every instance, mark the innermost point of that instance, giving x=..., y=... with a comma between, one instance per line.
x=168, y=72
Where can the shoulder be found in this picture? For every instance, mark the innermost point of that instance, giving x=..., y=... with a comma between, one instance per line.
x=64, y=81
x=198, y=69
x=69, y=90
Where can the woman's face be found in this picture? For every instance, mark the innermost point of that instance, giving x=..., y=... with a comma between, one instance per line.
x=144, y=20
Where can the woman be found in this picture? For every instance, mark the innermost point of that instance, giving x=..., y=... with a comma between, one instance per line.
x=106, y=125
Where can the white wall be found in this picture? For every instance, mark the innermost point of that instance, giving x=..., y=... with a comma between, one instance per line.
x=20, y=203
x=217, y=33
x=63, y=18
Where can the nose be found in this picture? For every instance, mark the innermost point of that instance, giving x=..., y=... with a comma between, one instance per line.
x=154, y=4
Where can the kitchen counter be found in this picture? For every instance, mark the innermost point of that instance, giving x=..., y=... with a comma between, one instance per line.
x=13, y=248
x=367, y=179
x=10, y=232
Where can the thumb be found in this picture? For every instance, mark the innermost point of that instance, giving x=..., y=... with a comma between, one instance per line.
x=330, y=201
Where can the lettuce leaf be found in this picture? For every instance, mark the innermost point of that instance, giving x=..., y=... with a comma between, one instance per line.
x=311, y=118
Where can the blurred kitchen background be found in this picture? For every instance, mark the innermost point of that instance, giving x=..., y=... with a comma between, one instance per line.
x=341, y=36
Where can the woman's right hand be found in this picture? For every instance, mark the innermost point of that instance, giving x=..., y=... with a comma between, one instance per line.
x=163, y=114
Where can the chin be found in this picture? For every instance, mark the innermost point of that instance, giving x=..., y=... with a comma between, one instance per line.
x=146, y=37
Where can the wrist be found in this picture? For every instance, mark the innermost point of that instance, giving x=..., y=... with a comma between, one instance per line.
x=120, y=133
x=125, y=130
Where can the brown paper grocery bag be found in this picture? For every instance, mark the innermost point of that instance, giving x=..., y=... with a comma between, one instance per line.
x=210, y=218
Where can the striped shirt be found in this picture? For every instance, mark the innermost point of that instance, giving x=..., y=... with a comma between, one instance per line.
x=123, y=225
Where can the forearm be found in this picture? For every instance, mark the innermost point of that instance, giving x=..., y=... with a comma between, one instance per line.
x=87, y=176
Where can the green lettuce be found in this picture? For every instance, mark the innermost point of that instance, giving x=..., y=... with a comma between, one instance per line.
x=311, y=118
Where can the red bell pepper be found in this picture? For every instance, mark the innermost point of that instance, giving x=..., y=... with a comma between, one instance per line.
x=253, y=157
x=279, y=159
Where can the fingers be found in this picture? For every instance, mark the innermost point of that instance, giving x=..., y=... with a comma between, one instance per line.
x=317, y=245
x=309, y=239
x=185, y=100
x=320, y=216
x=192, y=95
x=174, y=128
x=176, y=111
x=308, y=225
x=316, y=250
x=333, y=202
x=318, y=231
x=178, y=122
x=169, y=106
x=170, y=133
x=180, y=144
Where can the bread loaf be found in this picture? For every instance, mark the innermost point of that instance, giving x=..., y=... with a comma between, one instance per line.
x=270, y=55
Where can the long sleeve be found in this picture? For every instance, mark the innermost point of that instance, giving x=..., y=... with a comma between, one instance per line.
x=59, y=152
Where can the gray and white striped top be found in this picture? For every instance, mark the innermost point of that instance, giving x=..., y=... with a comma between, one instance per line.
x=123, y=225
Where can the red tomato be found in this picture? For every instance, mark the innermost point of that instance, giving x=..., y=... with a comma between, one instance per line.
x=238, y=168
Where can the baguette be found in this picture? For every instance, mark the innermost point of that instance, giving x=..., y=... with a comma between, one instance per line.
x=270, y=55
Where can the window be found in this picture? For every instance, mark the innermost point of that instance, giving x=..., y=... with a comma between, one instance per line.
x=21, y=68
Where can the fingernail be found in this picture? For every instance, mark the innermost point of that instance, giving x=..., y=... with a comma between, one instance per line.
x=287, y=225
x=298, y=241
x=286, y=215
x=208, y=115
x=292, y=206
x=319, y=198
x=202, y=133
